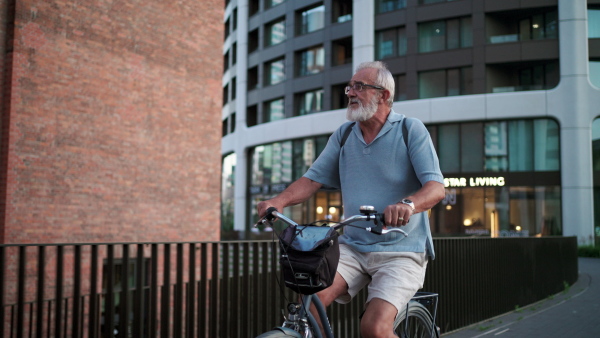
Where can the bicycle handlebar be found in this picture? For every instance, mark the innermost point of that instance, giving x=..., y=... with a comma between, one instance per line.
x=368, y=213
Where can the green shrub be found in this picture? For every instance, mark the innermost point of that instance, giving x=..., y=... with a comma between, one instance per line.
x=589, y=251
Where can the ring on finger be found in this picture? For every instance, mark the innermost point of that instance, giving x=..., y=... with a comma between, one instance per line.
x=401, y=219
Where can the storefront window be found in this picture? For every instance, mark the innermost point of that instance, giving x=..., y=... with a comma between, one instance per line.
x=274, y=166
x=227, y=192
x=490, y=172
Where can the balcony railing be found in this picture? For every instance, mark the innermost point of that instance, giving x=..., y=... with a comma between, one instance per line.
x=230, y=289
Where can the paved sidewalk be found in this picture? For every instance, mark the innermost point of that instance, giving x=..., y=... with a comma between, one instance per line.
x=572, y=313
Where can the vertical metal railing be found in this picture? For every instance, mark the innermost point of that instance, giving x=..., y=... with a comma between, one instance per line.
x=231, y=289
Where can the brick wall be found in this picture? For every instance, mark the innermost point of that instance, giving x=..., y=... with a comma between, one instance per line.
x=111, y=121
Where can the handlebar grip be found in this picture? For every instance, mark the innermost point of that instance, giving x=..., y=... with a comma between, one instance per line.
x=269, y=215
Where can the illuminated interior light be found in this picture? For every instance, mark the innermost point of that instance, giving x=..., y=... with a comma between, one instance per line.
x=448, y=207
x=332, y=210
x=319, y=210
x=467, y=222
x=518, y=228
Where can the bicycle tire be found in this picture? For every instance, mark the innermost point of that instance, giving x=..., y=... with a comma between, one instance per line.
x=280, y=333
x=420, y=322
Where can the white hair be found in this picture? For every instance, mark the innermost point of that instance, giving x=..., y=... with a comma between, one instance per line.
x=383, y=77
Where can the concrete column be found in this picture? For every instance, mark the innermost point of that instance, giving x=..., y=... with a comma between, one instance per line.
x=572, y=103
x=363, y=28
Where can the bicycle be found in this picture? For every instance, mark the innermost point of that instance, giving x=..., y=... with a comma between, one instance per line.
x=414, y=321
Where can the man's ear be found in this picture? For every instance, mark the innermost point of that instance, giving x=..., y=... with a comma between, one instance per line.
x=385, y=95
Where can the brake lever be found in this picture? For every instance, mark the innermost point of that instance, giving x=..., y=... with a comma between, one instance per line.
x=379, y=230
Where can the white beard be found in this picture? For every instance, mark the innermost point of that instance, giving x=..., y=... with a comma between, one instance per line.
x=363, y=112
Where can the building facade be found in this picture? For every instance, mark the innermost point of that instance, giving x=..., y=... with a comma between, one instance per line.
x=508, y=90
x=108, y=115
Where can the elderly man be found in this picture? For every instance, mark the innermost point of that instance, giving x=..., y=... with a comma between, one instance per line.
x=379, y=166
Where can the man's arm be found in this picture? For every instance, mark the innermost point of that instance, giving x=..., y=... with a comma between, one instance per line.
x=298, y=192
x=430, y=194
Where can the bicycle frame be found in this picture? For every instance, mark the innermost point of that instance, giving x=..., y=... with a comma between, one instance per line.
x=304, y=312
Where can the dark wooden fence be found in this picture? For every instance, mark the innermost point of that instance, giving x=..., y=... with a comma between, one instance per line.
x=231, y=289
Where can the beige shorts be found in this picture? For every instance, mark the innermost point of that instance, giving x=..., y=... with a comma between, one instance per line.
x=392, y=276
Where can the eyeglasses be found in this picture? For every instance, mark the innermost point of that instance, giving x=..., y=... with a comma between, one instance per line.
x=359, y=86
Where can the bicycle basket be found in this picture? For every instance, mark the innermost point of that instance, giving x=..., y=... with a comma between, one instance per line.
x=309, y=257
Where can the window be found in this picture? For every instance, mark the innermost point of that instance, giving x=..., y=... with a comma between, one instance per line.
x=593, y=23
x=342, y=11
x=339, y=99
x=342, y=52
x=274, y=110
x=445, y=34
x=311, y=20
x=539, y=26
x=309, y=102
x=595, y=72
x=311, y=61
x=233, y=88
x=227, y=192
x=274, y=72
x=226, y=61
x=391, y=43
x=252, y=115
x=383, y=6
x=400, y=88
x=274, y=166
x=226, y=94
x=253, y=41
x=234, y=53
x=275, y=32
x=596, y=173
x=544, y=76
x=253, y=7
x=425, y=2
x=272, y=3
x=446, y=82
x=226, y=30
x=496, y=146
x=253, y=78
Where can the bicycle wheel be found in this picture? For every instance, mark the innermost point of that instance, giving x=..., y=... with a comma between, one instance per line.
x=418, y=323
x=280, y=332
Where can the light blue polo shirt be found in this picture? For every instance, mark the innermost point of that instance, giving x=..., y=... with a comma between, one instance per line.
x=380, y=174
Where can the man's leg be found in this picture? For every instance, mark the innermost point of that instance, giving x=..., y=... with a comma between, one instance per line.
x=378, y=319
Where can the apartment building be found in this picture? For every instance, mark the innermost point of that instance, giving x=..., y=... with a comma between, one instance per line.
x=509, y=91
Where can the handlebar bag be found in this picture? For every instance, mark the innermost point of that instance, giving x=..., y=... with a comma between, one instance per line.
x=309, y=257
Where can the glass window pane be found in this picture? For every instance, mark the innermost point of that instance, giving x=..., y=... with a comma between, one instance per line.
x=275, y=111
x=520, y=145
x=432, y=36
x=313, y=19
x=227, y=192
x=473, y=216
x=524, y=30
x=551, y=21
x=596, y=145
x=466, y=80
x=522, y=210
x=496, y=147
x=593, y=23
x=471, y=142
x=386, y=43
x=275, y=33
x=595, y=73
x=497, y=217
x=453, y=78
x=402, y=41
x=275, y=72
x=453, y=34
x=546, y=142
x=432, y=84
x=448, y=145
x=400, y=88
x=537, y=27
x=312, y=61
x=466, y=33
x=310, y=102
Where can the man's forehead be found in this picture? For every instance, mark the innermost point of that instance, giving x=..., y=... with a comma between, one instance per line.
x=365, y=75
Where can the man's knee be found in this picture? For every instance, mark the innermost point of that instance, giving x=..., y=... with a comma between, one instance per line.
x=337, y=289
